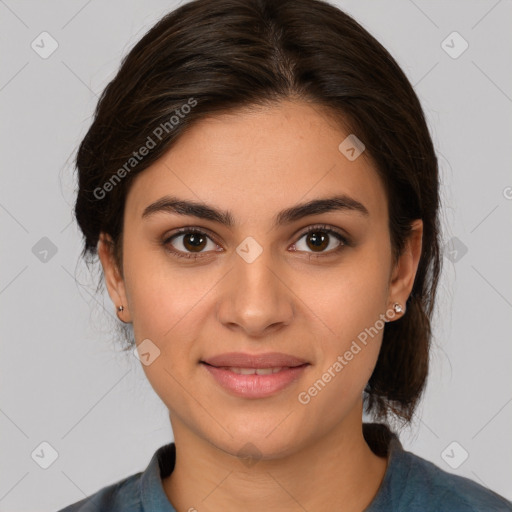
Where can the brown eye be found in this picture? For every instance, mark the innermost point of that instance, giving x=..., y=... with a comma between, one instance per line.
x=319, y=239
x=189, y=243
x=194, y=241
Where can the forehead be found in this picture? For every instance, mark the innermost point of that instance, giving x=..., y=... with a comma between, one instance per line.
x=255, y=162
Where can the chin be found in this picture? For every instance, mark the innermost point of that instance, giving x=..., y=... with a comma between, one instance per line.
x=251, y=450
x=259, y=440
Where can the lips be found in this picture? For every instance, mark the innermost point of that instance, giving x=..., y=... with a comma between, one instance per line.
x=255, y=376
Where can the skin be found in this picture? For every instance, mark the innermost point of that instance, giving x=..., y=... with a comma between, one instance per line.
x=255, y=163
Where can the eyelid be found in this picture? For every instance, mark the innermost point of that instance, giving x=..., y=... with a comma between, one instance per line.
x=329, y=229
x=190, y=229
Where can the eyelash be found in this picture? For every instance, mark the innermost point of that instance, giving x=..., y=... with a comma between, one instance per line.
x=319, y=227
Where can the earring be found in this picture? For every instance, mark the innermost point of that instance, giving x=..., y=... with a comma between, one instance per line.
x=120, y=309
x=397, y=308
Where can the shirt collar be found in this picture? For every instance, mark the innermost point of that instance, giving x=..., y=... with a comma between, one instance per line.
x=152, y=492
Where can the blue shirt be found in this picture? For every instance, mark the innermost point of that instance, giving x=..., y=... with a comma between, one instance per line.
x=410, y=484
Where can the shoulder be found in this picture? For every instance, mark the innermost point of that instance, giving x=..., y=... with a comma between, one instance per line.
x=122, y=496
x=428, y=487
x=414, y=484
x=137, y=492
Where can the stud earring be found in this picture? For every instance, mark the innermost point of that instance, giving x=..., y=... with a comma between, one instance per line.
x=120, y=309
x=397, y=308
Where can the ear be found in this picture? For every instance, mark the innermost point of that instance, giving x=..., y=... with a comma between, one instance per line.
x=113, y=278
x=404, y=272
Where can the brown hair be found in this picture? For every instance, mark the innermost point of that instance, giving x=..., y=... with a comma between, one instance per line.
x=208, y=57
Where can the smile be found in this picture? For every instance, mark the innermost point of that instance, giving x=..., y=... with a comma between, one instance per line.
x=259, y=376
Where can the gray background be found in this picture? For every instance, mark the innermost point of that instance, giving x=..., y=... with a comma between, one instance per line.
x=64, y=380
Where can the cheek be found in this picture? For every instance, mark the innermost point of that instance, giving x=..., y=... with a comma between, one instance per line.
x=349, y=310
x=167, y=307
x=352, y=296
x=161, y=295
x=346, y=356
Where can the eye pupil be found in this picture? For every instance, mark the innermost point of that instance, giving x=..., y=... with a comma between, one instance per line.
x=318, y=239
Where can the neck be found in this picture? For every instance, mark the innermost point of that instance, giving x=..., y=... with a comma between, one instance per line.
x=339, y=468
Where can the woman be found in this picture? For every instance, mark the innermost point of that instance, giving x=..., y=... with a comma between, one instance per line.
x=261, y=189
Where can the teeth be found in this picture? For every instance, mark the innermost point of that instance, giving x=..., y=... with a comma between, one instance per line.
x=265, y=371
x=254, y=371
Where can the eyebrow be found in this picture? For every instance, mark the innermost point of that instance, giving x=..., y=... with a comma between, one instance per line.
x=341, y=202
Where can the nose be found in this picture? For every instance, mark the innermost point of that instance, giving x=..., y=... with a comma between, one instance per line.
x=255, y=297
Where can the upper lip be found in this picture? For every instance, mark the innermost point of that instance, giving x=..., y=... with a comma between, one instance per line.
x=267, y=360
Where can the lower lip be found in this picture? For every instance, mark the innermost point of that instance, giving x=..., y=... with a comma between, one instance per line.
x=255, y=386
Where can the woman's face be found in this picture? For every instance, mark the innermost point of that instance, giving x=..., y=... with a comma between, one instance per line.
x=260, y=285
